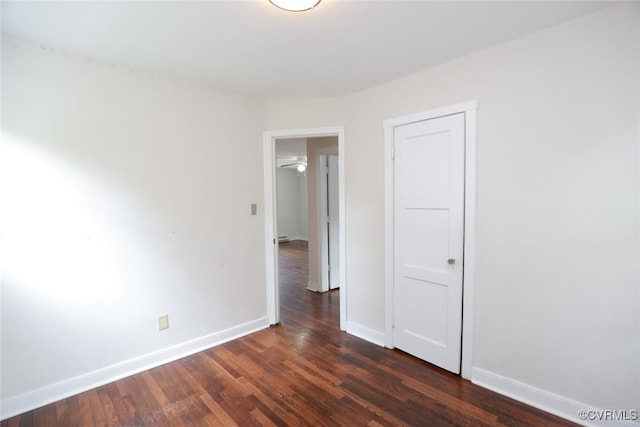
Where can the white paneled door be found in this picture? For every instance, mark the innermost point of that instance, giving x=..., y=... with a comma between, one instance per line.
x=429, y=190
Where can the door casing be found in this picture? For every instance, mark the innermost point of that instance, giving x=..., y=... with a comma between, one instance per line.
x=271, y=238
x=469, y=110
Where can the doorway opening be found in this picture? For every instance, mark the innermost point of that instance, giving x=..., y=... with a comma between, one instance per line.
x=323, y=216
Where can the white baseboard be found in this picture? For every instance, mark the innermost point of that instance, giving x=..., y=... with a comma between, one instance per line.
x=52, y=393
x=550, y=402
x=313, y=286
x=365, y=333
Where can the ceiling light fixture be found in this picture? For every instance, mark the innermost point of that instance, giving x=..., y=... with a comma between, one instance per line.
x=301, y=167
x=295, y=5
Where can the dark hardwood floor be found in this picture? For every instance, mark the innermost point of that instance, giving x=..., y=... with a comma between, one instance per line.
x=301, y=372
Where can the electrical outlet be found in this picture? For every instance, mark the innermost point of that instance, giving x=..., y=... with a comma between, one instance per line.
x=163, y=322
x=254, y=208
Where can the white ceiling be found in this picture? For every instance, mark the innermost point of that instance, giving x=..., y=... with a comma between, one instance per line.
x=251, y=47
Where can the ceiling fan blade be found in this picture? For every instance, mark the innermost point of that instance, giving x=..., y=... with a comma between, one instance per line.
x=290, y=164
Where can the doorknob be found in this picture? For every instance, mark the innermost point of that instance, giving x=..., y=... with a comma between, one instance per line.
x=451, y=261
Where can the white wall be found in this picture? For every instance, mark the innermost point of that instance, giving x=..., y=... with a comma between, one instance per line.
x=558, y=243
x=311, y=113
x=292, y=204
x=117, y=207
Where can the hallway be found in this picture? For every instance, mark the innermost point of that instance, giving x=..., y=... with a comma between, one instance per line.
x=299, y=306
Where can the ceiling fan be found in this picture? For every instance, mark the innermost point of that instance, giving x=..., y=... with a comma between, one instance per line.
x=300, y=164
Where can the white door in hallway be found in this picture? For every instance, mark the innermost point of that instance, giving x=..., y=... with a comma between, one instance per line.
x=428, y=239
x=334, y=221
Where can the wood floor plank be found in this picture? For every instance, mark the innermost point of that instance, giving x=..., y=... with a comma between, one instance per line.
x=151, y=413
x=50, y=417
x=217, y=411
x=204, y=373
x=262, y=418
x=110, y=413
x=386, y=417
x=303, y=372
x=282, y=390
x=13, y=422
x=92, y=409
x=155, y=390
x=317, y=380
x=448, y=401
x=119, y=414
x=62, y=413
x=39, y=417
x=287, y=417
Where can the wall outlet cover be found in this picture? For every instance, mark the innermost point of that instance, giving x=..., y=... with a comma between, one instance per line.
x=163, y=322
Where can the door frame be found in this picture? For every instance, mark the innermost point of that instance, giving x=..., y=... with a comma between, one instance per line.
x=468, y=280
x=270, y=215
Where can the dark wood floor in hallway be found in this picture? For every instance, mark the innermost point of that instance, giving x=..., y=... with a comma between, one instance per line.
x=301, y=372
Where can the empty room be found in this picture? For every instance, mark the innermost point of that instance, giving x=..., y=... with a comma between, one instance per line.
x=462, y=239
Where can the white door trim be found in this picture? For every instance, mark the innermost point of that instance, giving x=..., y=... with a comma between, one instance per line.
x=271, y=235
x=469, y=110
